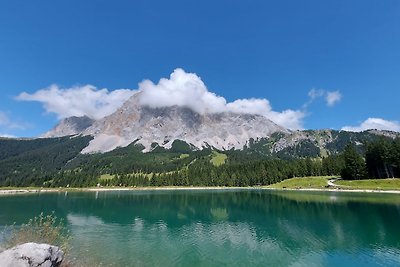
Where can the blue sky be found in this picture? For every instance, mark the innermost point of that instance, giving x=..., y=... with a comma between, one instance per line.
x=290, y=54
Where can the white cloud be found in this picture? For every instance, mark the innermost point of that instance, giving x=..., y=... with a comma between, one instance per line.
x=4, y=120
x=187, y=89
x=7, y=124
x=332, y=98
x=292, y=119
x=374, y=123
x=182, y=89
x=78, y=101
x=7, y=135
x=315, y=93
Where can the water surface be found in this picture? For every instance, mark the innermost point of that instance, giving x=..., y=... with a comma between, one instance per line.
x=221, y=227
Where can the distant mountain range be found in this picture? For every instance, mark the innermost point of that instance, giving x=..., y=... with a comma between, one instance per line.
x=160, y=127
x=140, y=145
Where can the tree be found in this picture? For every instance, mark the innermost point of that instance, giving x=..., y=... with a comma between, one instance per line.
x=354, y=165
x=381, y=158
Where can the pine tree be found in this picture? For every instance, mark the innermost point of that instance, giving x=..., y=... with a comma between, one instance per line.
x=354, y=165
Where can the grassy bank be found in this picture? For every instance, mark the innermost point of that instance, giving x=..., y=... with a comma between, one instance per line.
x=321, y=182
x=314, y=182
x=370, y=184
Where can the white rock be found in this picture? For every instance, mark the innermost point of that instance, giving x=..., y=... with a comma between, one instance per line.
x=32, y=255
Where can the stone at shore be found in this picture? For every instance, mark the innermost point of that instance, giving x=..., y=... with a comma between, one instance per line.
x=32, y=255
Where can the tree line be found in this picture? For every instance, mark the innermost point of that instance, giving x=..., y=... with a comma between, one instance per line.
x=60, y=164
x=381, y=159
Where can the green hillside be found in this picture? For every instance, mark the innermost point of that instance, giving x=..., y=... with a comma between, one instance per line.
x=54, y=162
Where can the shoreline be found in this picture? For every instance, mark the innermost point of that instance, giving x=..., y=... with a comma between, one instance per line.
x=15, y=191
x=389, y=191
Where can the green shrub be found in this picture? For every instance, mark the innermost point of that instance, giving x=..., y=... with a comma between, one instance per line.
x=41, y=229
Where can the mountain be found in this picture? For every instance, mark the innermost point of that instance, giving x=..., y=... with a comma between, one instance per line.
x=70, y=126
x=150, y=128
x=314, y=143
x=147, y=146
x=282, y=154
x=146, y=126
x=54, y=162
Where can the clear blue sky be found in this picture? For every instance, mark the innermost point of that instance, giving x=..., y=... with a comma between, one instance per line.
x=278, y=50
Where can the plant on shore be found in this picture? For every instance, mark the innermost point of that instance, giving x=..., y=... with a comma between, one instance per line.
x=41, y=229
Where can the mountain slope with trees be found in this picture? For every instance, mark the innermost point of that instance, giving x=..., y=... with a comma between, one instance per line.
x=54, y=162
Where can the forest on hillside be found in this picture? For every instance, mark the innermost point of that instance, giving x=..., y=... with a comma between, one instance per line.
x=57, y=162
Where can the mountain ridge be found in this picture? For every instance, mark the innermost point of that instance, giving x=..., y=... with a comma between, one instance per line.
x=161, y=126
x=134, y=122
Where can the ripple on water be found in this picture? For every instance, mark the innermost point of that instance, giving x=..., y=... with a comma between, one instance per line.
x=242, y=228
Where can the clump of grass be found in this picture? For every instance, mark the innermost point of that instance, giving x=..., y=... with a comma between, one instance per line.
x=41, y=229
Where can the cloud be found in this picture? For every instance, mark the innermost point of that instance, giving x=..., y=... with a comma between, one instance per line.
x=5, y=124
x=188, y=90
x=78, y=101
x=292, y=119
x=374, y=123
x=7, y=135
x=181, y=89
x=8, y=124
x=332, y=98
x=4, y=120
x=315, y=93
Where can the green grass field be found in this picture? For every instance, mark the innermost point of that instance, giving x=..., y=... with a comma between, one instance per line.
x=218, y=158
x=314, y=182
x=319, y=182
x=372, y=184
x=104, y=177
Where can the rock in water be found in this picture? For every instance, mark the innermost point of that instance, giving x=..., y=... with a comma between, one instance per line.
x=32, y=255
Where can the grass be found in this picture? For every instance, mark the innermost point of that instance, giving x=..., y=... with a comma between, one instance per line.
x=321, y=182
x=313, y=182
x=183, y=156
x=41, y=229
x=303, y=182
x=371, y=184
x=105, y=177
x=218, y=158
x=344, y=197
x=46, y=229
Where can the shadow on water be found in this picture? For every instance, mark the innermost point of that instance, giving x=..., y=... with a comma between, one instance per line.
x=222, y=227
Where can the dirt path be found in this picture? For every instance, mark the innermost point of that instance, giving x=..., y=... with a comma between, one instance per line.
x=331, y=182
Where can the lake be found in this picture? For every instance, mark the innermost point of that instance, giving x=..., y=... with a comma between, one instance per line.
x=250, y=227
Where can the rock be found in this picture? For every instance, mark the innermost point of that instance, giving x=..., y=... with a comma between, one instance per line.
x=145, y=125
x=70, y=126
x=32, y=255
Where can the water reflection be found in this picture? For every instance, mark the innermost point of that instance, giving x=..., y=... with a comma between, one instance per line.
x=213, y=228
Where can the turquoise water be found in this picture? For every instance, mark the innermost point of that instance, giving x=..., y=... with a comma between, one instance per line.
x=221, y=227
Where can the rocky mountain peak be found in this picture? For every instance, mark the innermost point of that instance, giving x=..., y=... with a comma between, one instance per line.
x=146, y=125
x=70, y=126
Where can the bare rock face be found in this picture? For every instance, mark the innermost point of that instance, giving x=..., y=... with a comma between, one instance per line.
x=32, y=255
x=145, y=125
x=70, y=126
x=134, y=122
